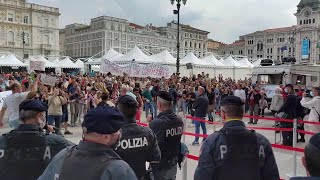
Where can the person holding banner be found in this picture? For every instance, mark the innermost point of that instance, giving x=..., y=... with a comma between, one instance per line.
x=11, y=103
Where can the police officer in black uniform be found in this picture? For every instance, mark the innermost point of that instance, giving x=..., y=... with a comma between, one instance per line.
x=26, y=151
x=235, y=152
x=168, y=128
x=137, y=145
x=94, y=158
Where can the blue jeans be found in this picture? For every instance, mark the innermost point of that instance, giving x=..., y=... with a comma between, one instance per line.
x=149, y=106
x=57, y=122
x=185, y=107
x=197, y=125
x=155, y=108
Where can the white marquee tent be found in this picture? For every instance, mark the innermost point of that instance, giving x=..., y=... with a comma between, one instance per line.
x=164, y=57
x=112, y=55
x=213, y=60
x=48, y=64
x=257, y=63
x=11, y=61
x=67, y=63
x=135, y=55
x=79, y=63
x=231, y=62
x=244, y=62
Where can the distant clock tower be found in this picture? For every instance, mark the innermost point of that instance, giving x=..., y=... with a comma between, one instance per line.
x=307, y=32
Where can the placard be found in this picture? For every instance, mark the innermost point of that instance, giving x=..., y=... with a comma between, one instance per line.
x=136, y=70
x=48, y=80
x=37, y=66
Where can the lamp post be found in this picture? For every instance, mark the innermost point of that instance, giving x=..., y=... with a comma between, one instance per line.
x=177, y=11
x=23, y=42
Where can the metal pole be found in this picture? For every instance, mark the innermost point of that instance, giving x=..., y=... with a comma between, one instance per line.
x=178, y=43
x=295, y=136
x=185, y=165
x=23, y=41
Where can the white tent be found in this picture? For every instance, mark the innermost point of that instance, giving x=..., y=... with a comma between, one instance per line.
x=112, y=55
x=164, y=57
x=257, y=63
x=244, y=62
x=12, y=61
x=213, y=60
x=135, y=55
x=190, y=58
x=48, y=64
x=67, y=63
x=79, y=63
x=231, y=62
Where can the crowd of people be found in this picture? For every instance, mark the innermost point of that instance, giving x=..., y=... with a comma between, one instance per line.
x=87, y=101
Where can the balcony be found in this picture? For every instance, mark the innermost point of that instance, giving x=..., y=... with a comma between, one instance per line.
x=46, y=47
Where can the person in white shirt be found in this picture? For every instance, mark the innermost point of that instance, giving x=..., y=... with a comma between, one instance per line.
x=12, y=102
x=239, y=92
x=314, y=105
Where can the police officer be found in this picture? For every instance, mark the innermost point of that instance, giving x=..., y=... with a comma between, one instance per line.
x=137, y=145
x=94, y=158
x=235, y=152
x=26, y=151
x=168, y=128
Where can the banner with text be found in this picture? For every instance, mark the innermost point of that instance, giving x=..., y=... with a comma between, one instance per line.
x=136, y=70
x=48, y=80
x=37, y=66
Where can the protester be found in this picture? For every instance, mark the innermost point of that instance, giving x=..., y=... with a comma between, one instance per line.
x=314, y=106
x=276, y=101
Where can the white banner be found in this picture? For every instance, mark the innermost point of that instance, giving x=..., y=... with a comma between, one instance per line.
x=136, y=70
x=4, y=95
x=48, y=80
x=37, y=66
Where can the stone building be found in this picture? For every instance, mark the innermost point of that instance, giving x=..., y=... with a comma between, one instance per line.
x=213, y=46
x=301, y=41
x=39, y=24
x=107, y=32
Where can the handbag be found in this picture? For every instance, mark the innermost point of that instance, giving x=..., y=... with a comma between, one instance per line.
x=317, y=113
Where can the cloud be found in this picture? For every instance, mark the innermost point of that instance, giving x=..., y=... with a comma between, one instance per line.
x=226, y=20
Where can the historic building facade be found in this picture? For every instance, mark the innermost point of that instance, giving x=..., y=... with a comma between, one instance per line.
x=301, y=41
x=39, y=25
x=103, y=33
x=213, y=46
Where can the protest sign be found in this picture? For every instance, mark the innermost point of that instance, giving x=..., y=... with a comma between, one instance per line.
x=37, y=66
x=3, y=95
x=48, y=80
x=136, y=70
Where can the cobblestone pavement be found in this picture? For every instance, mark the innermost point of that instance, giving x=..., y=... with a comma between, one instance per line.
x=284, y=158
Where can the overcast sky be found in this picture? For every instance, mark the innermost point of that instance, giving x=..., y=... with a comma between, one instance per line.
x=226, y=20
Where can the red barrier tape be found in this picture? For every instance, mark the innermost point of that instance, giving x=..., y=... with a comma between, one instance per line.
x=287, y=148
x=196, y=158
x=309, y=122
x=306, y=132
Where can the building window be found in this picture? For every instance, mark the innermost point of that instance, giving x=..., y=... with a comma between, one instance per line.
x=25, y=19
x=46, y=22
x=300, y=22
x=10, y=36
x=10, y=17
x=314, y=20
x=309, y=21
x=45, y=39
x=248, y=51
x=268, y=51
x=271, y=50
x=195, y=45
x=191, y=44
x=185, y=43
x=199, y=45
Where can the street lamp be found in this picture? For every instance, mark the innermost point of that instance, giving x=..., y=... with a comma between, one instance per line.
x=23, y=42
x=178, y=37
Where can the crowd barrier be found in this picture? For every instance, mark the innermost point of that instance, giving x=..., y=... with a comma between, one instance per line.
x=294, y=149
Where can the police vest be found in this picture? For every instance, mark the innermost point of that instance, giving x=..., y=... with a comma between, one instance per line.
x=83, y=165
x=171, y=148
x=134, y=147
x=239, y=158
x=25, y=156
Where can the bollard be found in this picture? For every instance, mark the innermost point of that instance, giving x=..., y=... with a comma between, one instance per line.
x=295, y=138
x=185, y=165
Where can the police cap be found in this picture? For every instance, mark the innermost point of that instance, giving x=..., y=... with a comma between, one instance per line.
x=127, y=100
x=103, y=120
x=232, y=100
x=34, y=105
x=315, y=141
x=165, y=96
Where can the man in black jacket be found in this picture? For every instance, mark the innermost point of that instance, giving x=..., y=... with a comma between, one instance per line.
x=201, y=108
x=289, y=112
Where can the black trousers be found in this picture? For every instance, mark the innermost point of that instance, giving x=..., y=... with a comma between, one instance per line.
x=287, y=136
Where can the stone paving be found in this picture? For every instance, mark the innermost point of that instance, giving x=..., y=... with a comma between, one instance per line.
x=284, y=158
